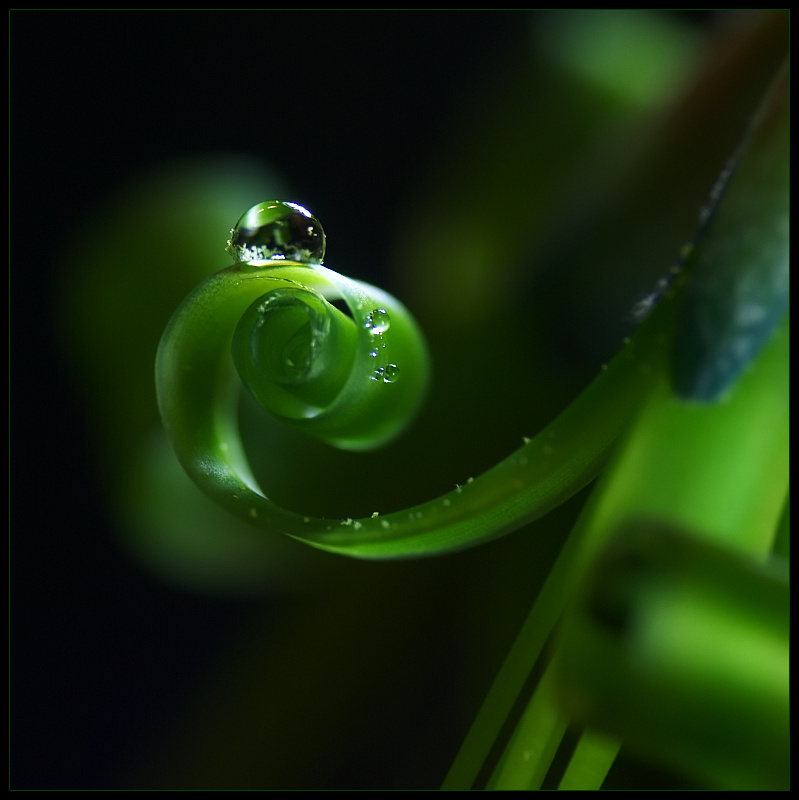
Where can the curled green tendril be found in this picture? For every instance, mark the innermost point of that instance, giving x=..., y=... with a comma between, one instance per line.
x=354, y=380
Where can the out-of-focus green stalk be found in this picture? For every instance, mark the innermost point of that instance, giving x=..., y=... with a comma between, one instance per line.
x=529, y=753
x=590, y=762
x=680, y=648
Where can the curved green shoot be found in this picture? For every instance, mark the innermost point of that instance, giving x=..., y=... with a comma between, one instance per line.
x=366, y=405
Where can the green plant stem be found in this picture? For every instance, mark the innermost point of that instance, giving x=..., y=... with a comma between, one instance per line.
x=656, y=481
x=535, y=740
x=591, y=761
x=720, y=470
x=562, y=583
x=197, y=399
x=682, y=628
x=680, y=647
x=516, y=669
x=782, y=539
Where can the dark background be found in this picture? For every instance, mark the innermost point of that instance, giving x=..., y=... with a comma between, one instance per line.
x=346, y=106
x=349, y=107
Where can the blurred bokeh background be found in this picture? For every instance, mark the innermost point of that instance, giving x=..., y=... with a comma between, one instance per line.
x=445, y=153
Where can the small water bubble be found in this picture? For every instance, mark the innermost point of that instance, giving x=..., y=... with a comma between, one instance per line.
x=384, y=523
x=377, y=321
x=277, y=231
x=387, y=374
x=373, y=353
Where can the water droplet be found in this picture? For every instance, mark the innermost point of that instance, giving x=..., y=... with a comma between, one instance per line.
x=387, y=374
x=377, y=321
x=277, y=231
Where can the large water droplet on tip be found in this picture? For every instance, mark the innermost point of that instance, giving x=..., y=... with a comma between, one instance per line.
x=277, y=231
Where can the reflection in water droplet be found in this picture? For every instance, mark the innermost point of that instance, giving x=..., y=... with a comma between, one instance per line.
x=277, y=231
x=377, y=321
x=387, y=374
